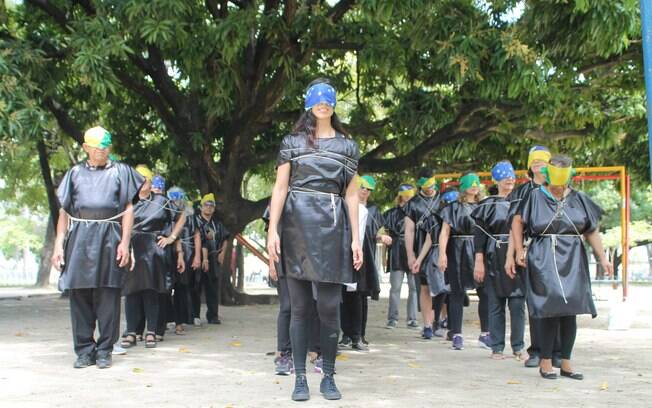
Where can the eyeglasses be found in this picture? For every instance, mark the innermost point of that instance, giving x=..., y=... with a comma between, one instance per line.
x=209, y=204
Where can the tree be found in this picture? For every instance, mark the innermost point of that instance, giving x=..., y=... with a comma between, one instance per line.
x=206, y=89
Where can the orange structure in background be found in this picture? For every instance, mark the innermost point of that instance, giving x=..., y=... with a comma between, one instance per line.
x=583, y=174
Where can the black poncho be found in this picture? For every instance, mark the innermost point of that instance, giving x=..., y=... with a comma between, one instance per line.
x=460, y=250
x=395, y=226
x=89, y=194
x=314, y=228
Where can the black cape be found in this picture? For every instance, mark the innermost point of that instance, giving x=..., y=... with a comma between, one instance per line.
x=394, y=219
x=460, y=250
x=419, y=209
x=95, y=193
x=314, y=228
x=154, y=267
x=429, y=267
x=187, y=238
x=491, y=239
x=367, y=278
x=558, y=279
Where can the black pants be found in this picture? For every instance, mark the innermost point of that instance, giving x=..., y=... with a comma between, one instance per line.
x=208, y=283
x=351, y=313
x=483, y=309
x=181, y=302
x=552, y=328
x=365, y=315
x=438, y=305
x=497, y=320
x=88, y=306
x=165, y=312
x=455, y=312
x=329, y=296
x=142, y=305
x=536, y=335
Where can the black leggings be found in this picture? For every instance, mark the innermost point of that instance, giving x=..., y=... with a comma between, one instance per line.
x=329, y=296
x=455, y=312
x=567, y=326
x=437, y=306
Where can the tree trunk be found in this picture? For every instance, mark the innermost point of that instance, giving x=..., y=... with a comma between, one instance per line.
x=53, y=205
x=45, y=266
x=240, y=268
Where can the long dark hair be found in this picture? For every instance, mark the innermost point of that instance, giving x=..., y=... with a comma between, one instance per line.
x=307, y=123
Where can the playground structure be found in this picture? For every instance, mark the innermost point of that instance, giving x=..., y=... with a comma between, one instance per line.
x=618, y=173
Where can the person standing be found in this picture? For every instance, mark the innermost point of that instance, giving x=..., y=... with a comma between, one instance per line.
x=153, y=267
x=214, y=237
x=556, y=218
x=314, y=206
x=91, y=248
x=417, y=212
x=491, y=241
x=457, y=256
x=397, y=264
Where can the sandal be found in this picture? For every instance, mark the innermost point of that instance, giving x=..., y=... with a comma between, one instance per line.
x=518, y=355
x=129, y=340
x=497, y=356
x=179, y=331
x=150, y=340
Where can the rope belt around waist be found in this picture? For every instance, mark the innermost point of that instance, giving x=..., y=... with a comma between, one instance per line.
x=111, y=220
x=305, y=190
x=463, y=236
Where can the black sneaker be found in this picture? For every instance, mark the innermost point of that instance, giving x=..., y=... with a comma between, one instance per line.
x=301, y=391
x=214, y=321
x=359, y=346
x=345, y=342
x=85, y=360
x=328, y=388
x=364, y=341
x=104, y=360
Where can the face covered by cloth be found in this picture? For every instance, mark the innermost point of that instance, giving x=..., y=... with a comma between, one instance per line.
x=469, y=180
x=320, y=93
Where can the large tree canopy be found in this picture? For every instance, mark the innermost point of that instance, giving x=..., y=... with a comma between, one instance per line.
x=205, y=90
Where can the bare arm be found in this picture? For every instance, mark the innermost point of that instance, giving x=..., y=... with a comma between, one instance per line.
x=197, y=240
x=165, y=241
x=409, y=240
x=62, y=225
x=352, y=202
x=422, y=254
x=123, y=255
x=443, y=244
x=279, y=194
x=517, y=240
x=594, y=239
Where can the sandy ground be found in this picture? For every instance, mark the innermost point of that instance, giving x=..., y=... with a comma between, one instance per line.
x=229, y=365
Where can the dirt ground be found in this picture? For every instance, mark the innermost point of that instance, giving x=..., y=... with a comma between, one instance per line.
x=229, y=365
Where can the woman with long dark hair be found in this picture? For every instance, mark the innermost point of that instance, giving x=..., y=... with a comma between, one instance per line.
x=315, y=199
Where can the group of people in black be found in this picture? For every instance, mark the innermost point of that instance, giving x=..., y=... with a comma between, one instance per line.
x=519, y=247
x=120, y=234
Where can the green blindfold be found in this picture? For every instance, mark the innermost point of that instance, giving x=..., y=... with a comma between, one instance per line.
x=468, y=181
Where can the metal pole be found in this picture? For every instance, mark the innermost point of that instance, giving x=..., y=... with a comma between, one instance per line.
x=646, y=23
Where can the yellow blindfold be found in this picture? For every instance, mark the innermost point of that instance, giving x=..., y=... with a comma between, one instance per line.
x=558, y=176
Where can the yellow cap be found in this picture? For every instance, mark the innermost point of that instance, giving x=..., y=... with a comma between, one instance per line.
x=144, y=171
x=208, y=197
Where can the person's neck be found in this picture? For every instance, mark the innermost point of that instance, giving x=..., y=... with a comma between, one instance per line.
x=364, y=202
x=207, y=218
x=431, y=194
x=503, y=193
x=143, y=196
x=539, y=178
x=95, y=163
x=324, y=129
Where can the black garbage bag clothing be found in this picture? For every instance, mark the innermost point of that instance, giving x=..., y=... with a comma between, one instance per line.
x=182, y=299
x=420, y=209
x=153, y=268
x=492, y=221
x=394, y=223
x=367, y=276
x=88, y=194
x=558, y=280
x=314, y=229
x=213, y=234
x=460, y=250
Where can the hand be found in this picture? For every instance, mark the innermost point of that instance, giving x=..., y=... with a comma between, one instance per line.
x=442, y=263
x=478, y=272
x=416, y=266
x=181, y=264
x=273, y=246
x=510, y=267
x=607, y=266
x=204, y=265
x=386, y=240
x=57, y=258
x=210, y=235
x=196, y=263
x=357, y=254
x=133, y=260
x=411, y=259
x=122, y=255
x=273, y=275
x=164, y=241
x=220, y=257
x=521, y=257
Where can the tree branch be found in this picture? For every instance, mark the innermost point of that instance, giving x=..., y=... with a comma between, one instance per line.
x=337, y=12
x=47, y=7
x=65, y=122
x=542, y=135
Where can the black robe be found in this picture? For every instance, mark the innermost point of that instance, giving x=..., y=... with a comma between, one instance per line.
x=419, y=209
x=187, y=238
x=367, y=278
x=430, y=265
x=460, y=250
x=154, y=267
x=315, y=228
x=213, y=234
x=394, y=219
x=95, y=193
x=558, y=280
x=491, y=239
